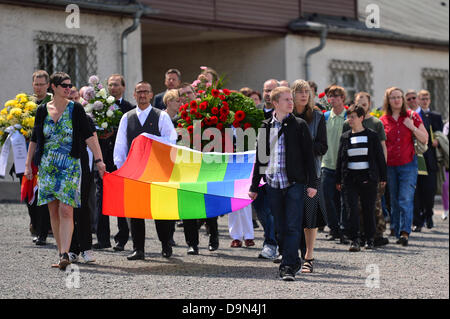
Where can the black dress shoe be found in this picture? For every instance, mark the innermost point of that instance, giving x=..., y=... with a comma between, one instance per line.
x=172, y=243
x=166, y=251
x=136, y=255
x=101, y=246
x=119, y=247
x=332, y=236
x=380, y=241
x=417, y=229
x=193, y=250
x=41, y=242
x=403, y=241
x=213, y=246
x=429, y=222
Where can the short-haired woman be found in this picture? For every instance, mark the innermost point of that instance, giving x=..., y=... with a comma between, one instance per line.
x=401, y=126
x=55, y=147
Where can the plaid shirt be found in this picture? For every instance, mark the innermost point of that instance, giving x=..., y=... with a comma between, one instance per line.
x=276, y=173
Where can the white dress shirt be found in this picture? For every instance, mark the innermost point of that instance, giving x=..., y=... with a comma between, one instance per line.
x=166, y=129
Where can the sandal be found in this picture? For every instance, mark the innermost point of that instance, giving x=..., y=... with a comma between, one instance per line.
x=307, y=266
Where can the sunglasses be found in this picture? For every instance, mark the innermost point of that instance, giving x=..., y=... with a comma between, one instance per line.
x=65, y=85
x=411, y=98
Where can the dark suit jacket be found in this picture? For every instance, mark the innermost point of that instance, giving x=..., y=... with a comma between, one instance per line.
x=107, y=144
x=158, y=101
x=300, y=164
x=431, y=121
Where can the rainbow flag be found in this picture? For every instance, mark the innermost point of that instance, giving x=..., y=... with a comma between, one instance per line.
x=164, y=181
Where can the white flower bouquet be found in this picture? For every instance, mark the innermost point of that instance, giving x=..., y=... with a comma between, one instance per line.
x=101, y=107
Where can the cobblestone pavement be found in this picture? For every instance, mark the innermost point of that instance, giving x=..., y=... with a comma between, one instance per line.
x=420, y=270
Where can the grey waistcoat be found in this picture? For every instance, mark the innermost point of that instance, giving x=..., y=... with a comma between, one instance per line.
x=134, y=127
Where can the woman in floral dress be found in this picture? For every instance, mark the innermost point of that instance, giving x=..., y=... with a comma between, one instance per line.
x=60, y=126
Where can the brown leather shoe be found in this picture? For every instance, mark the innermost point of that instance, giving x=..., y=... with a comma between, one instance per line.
x=236, y=243
x=249, y=243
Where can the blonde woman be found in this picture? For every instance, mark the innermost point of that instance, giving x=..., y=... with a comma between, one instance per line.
x=304, y=108
x=173, y=102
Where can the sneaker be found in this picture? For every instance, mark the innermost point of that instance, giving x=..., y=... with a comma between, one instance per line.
x=278, y=259
x=287, y=273
x=73, y=258
x=268, y=252
x=445, y=215
x=369, y=245
x=355, y=246
x=87, y=256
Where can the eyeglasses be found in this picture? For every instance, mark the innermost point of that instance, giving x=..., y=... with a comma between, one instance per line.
x=65, y=85
x=411, y=98
x=142, y=92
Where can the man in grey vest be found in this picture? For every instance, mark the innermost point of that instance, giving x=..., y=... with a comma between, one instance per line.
x=144, y=119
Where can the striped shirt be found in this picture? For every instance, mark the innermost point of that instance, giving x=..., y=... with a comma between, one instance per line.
x=276, y=173
x=358, y=154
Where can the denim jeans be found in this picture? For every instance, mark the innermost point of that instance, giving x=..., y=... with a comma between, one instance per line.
x=287, y=208
x=264, y=214
x=402, y=184
x=337, y=219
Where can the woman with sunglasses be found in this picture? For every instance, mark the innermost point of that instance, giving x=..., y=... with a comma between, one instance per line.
x=56, y=144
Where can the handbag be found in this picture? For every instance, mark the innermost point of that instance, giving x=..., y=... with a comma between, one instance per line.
x=419, y=147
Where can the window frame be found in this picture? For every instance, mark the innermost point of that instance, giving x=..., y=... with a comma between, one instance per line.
x=53, y=54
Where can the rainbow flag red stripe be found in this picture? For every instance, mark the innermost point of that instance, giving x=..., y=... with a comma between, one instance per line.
x=162, y=181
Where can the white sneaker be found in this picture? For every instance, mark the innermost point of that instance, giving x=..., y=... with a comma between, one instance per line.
x=73, y=258
x=268, y=252
x=445, y=215
x=87, y=256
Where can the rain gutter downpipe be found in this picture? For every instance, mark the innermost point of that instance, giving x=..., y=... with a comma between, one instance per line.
x=323, y=36
x=126, y=33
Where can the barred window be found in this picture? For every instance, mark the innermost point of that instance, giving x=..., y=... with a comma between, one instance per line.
x=352, y=76
x=72, y=54
x=436, y=81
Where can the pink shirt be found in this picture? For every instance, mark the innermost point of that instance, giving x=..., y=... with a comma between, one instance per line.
x=399, y=139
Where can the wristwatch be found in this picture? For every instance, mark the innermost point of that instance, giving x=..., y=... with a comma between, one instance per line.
x=97, y=161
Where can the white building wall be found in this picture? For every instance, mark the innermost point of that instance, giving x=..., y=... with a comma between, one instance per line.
x=18, y=51
x=392, y=65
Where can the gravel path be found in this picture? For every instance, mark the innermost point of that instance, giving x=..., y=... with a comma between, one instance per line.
x=420, y=270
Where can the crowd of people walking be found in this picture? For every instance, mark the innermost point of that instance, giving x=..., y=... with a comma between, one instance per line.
x=337, y=166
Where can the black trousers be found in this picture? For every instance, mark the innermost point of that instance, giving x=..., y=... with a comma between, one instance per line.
x=366, y=192
x=39, y=215
x=103, y=227
x=191, y=231
x=82, y=235
x=163, y=229
x=426, y=188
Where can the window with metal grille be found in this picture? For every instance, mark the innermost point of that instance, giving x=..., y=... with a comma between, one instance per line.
x=436, y=82
x=352, y=76
x=72, y=54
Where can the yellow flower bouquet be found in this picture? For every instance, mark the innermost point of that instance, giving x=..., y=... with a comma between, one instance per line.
x=18, y=114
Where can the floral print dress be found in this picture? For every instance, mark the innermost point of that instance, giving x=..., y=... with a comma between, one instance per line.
x=59, y=174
